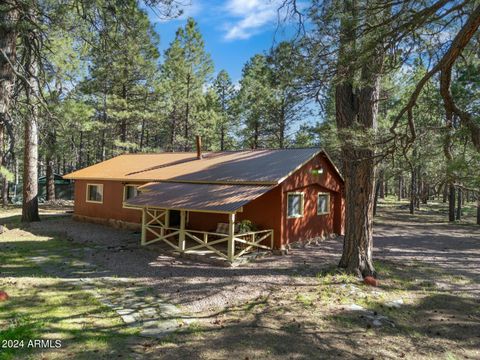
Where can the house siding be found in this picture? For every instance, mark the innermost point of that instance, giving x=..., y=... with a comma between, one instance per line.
x=310, y=224
x=269, y=211
x=112, y=206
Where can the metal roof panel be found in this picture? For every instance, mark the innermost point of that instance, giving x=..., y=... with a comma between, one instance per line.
x=197, y=197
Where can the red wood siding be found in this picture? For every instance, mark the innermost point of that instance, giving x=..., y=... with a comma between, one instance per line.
x=112, y=206
x=310, y=224
x=269, y=211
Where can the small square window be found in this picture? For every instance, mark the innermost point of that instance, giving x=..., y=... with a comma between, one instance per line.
x=95, y=193
x=323, y=203
x=294, y=205
x=129, y=192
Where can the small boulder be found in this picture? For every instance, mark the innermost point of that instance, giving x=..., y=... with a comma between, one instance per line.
x=4, y=296
x=370, y=280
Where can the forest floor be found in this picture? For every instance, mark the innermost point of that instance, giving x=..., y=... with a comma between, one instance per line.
x=289, y=307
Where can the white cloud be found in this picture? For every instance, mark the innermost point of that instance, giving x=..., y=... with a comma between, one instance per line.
x=251, y=16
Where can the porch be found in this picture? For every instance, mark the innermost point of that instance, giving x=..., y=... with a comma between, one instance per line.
x=167, y=207
x=226, y=245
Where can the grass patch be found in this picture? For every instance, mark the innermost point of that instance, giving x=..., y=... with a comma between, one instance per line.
x=42, y=307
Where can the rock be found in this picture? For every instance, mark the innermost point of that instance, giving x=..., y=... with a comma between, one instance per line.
x=4, y=296
x=355, y=307
x=394, y=303
x=369, y=280
x=128, y=319
x=376, y=322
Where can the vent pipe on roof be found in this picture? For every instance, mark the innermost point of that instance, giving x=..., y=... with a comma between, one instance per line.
x=199, y=147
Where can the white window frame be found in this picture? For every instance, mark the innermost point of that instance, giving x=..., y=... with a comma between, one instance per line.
x=100, y=188
x=124, y=194
x=328, y=203
x=302, y=205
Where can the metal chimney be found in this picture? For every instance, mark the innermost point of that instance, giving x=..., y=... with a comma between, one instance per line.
x=199, y=147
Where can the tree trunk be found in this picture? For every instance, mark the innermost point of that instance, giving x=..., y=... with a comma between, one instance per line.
x=413, y=191
x=30, y=154
x=381, y=185
x=255, y=136
x=142, y=134
x=187, y=115
x=459, y=204
x=5, y=188
x=80, y=151
x=478, y=210
x=50, y=140
x=50, y=179
x=400, y=188
x=378, y=187
x=8, y=48
x=357, y=108
x=451, y=203
x=222, y=137
x=445, y=193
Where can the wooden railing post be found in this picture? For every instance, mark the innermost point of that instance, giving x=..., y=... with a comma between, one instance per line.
x=181, y=235
x=144, y=229
x=231, y=237
x=167, y=218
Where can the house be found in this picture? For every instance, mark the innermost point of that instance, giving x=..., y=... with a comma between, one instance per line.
x=228, y=203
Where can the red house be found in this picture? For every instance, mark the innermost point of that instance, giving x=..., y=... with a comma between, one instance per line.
x=227, y=203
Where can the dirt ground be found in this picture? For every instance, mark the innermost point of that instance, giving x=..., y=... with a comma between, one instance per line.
x=299, y=306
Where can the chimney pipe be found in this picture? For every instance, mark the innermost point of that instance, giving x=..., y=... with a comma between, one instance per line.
x=199, y=147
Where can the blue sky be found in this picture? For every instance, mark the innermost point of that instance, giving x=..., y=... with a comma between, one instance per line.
x=233, y=30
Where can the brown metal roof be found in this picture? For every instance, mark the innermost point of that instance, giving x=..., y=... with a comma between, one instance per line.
x=247, y=167
x=118, y=167
x=197, y=197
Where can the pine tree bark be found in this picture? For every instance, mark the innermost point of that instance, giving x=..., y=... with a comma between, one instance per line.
x=30, y=154
x=451, y=202
x=356, y=110
x=413, y=191
x=50, y=163
x=5, y=188
x=8, y=49
x=478, y=210
x=377, y=195
x=50, y=177
x=400, y=188
x=459, y=204
x=381, y=184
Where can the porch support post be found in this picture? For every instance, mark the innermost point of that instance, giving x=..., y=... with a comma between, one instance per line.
x=181, y=234
x=167, y=218
x=231, y=237
x=144, y=229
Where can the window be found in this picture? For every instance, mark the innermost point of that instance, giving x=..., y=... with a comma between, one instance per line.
x=323, y=203
x=294, y=205
x=95, y=193
x=129, y=191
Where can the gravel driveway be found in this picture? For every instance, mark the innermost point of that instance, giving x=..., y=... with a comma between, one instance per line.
x=200, y=287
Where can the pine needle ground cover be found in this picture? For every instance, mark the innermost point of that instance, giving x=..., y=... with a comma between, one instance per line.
x=426, y=306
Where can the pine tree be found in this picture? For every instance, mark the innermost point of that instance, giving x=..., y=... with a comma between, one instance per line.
x=225, y=107
x=185, y=74
x=254, y=98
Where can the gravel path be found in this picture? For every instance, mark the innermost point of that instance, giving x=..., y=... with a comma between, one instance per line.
x=198, y=287
x=134, y=303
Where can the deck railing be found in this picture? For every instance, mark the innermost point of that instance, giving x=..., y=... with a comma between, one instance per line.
x=194, y=241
